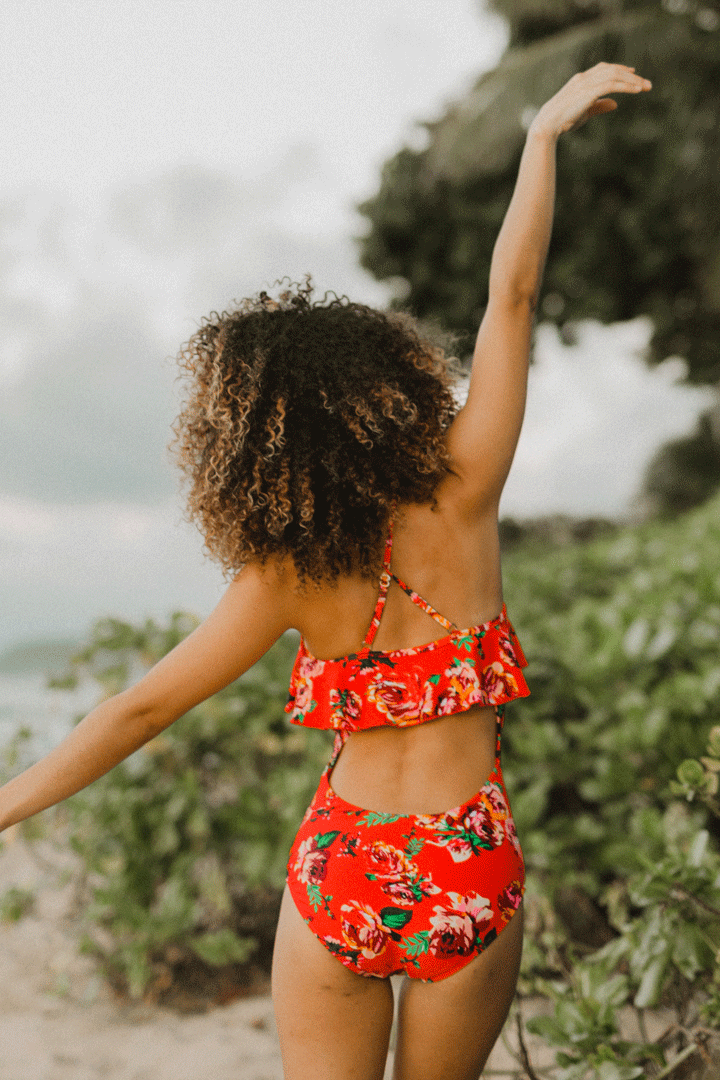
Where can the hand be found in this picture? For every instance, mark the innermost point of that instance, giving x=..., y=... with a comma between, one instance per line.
x=584, y=95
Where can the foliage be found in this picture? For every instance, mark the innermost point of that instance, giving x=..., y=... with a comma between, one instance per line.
x=684, y=472
x=637, y=227
x=531, y=20
x=625, y=677
x=637, y=224
x=16, y=902
x=622, y=634
x=667, y=951
x=185, y=842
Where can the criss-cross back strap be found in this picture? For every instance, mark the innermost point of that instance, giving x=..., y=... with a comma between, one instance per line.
x=385, y=578
x=417, y=599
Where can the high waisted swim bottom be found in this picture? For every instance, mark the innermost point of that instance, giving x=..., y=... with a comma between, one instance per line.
x=416, y=893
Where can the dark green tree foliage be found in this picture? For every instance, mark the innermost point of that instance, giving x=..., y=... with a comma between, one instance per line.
x=685, y=472
x=638, y=219
x=530, y=20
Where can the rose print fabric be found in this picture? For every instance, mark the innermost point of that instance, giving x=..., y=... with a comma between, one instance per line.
x=478, y=666
x=388, y=893
x=420, y=894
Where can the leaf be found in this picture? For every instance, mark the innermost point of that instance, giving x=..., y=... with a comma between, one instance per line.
x=417, y=944
x=652, y=982
x=371, y=818
x=613, y=992
x=548, y=1028
x=691, y=772
x=696, y=855
x=610, y=1070
x=691, y=951
x=314, y=895
x=395, y=918
x=635, y=637
x=324, y=840
x=220, y=947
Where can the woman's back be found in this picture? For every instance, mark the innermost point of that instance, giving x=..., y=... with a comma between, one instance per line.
x=451, y=560
x=454, y=563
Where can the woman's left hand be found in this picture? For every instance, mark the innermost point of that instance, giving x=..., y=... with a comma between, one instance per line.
x=585, y=95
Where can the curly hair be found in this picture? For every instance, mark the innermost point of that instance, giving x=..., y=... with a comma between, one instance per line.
x=303, y=422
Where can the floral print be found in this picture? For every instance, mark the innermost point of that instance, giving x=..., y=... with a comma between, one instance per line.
x=478, y=827
x=459, y=929
x=481, y=666
x=422, y=893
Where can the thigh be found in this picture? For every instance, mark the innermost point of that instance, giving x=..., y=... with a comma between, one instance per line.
x=332, y=1023
x=447, y=1029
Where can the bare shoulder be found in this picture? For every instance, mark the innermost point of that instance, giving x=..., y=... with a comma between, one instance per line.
x=453, y=523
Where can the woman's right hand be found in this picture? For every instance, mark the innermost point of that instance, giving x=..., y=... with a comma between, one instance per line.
x=585, y=95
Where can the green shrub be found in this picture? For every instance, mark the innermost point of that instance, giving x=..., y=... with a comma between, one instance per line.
x=622, y=636
x=185, y=842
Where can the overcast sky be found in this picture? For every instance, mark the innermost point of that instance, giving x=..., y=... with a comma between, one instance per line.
x=161, y=159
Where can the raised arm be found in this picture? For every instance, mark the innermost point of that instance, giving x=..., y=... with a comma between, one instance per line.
x=484, y=435
x=252, y=614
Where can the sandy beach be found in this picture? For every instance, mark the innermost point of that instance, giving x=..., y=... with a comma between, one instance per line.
x=60, y=1020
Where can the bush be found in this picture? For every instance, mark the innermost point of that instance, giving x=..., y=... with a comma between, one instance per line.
x=623, y=639
x=622, y=635
x=185, y=842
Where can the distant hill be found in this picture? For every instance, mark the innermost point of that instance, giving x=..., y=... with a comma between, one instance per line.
x=49, y=657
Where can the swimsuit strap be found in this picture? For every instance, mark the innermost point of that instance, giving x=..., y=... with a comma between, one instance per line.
x=385, y=578
x=416, y=599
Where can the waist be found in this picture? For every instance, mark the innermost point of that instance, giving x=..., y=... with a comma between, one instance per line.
x=421, y=769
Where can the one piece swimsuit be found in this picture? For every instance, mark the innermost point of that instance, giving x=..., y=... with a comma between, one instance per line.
x=416, y=893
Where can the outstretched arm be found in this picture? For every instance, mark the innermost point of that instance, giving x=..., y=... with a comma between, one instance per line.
x=484, y=435
x=252, y=614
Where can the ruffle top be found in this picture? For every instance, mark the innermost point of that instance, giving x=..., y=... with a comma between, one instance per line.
x=400, y=687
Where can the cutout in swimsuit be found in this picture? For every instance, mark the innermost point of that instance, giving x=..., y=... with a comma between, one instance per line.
x=416, y=893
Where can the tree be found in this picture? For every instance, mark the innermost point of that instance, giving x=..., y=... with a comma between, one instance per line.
x=638, y=216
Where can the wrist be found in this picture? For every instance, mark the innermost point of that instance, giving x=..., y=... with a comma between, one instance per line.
x=542, y=130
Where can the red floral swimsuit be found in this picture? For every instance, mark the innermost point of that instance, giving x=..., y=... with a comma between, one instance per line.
x=414, y=893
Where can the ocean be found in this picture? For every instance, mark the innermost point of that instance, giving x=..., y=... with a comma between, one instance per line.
x=26, y=702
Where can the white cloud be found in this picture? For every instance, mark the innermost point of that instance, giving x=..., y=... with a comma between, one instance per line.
x=595, y=416
x=64, y=566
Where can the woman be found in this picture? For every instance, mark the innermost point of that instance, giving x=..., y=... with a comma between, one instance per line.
x=325, y=454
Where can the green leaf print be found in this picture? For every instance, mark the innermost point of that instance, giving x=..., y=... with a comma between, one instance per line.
x=434, y=679
x=417, y=944
x=414, y=847
x=466, y=642
x=371, y=818
x=325, y=839
x=314, y=895
x=394, y=917
x=458, y=663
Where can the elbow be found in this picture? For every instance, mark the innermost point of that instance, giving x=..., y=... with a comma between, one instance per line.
x=148, y=716
x=516, y=297
x=514, y=289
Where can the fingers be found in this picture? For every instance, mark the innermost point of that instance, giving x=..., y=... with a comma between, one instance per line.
x=616, y=77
